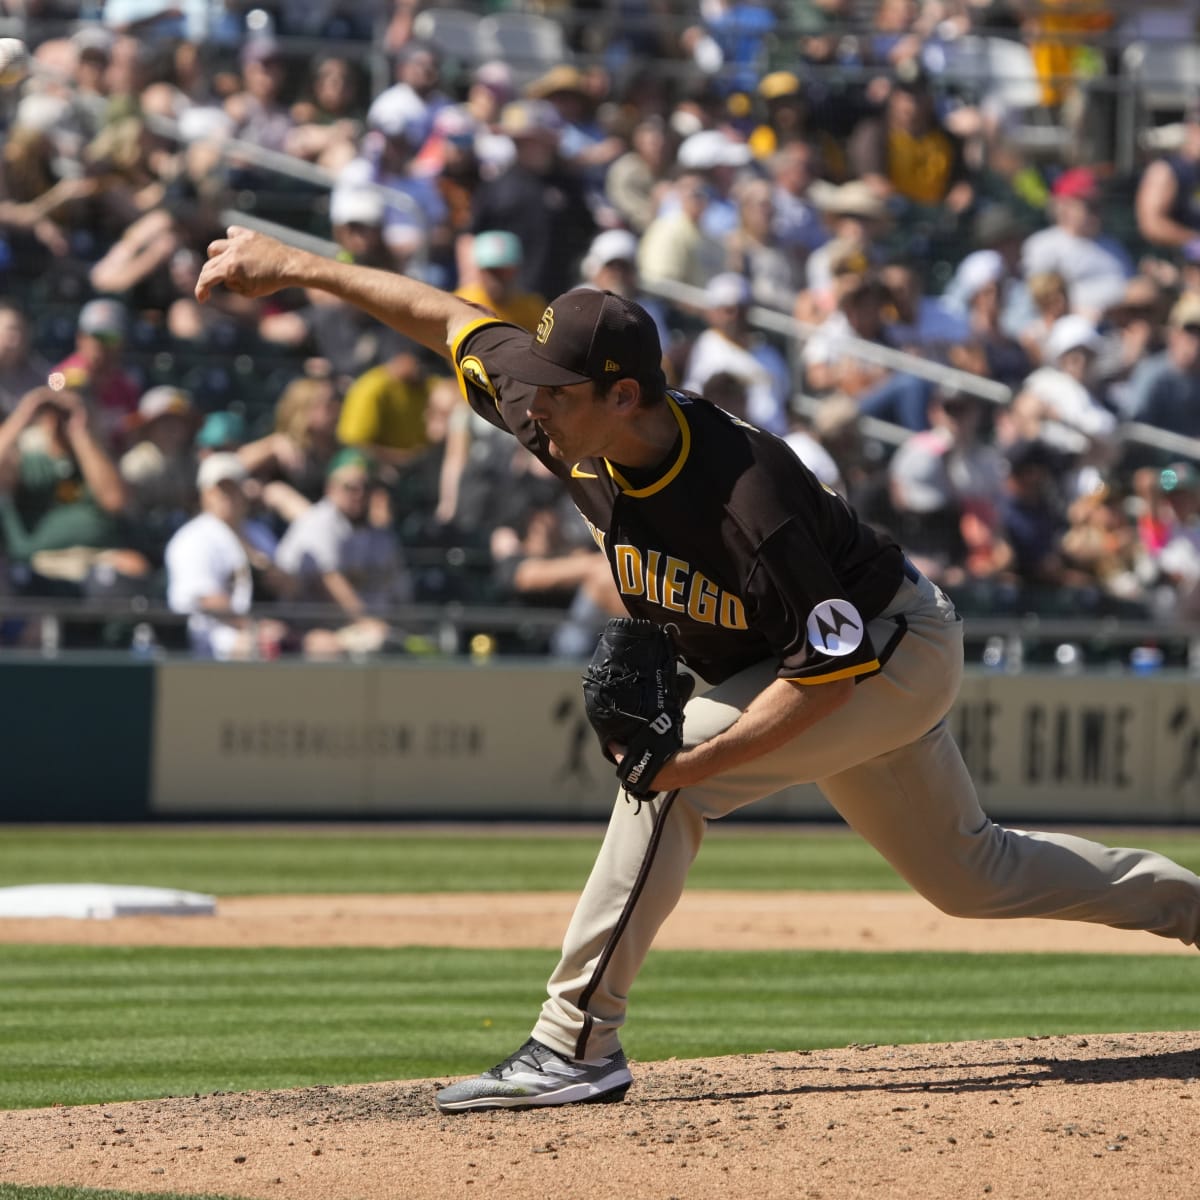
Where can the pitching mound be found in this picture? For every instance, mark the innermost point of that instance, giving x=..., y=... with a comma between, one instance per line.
x=1067, y=1117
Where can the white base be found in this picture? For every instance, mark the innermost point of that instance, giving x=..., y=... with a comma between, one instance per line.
x=101, y=901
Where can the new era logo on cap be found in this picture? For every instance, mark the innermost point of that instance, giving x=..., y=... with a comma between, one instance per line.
x=588, y=335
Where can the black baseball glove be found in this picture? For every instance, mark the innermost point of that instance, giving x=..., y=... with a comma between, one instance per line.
x=634, y=696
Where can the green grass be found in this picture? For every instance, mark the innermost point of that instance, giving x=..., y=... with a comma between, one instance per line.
x=88, y=1024
x=253, y=860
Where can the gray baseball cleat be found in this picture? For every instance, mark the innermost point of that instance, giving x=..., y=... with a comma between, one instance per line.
x=537, y=1076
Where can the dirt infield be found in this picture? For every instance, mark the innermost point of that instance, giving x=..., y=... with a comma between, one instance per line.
x=704, y=920
x=1063, y=1118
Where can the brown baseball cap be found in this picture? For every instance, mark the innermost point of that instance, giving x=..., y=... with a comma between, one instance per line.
x=588, y=335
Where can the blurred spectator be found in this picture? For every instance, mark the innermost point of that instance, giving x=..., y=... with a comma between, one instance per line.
x=1094, y=265
x=189, y=76
x=168, y=20
x=415, y=220
x=303, y=443
x=347, y=340
x=1168, y=211
x=920, y=324
x=220, y=432
x=343, y=551
x=635, y=182
x=856, y=219
x=62, y=500
x=21, y=368
x=754, y=250
x=538, y=199
x=89, y=83
x=1179, y=558
x=731, y=37
x=1031, y=514
x=835, y=98
x=675, y=249
x=1152, y=513
x=719, y=159
x=175, y=205
x=258, y=110
x=419, y=67
x=798, y=226
x=96, y=366
x=434, y=497
x=830, y=363
x=451, y=159
x=1135, y=329
x=803, y=436
x=160, y=465
x=696, y=106
x=862, y=307
x=946, y=486
x=329, y=120
x=979, y=287
x=583, y=141
x=729, y=345
x=356, y=217
x=790, y=121
x=1164, y=390
x=728, y=392
x=491, y=88
x=611, y=266
x=996, y=233
x=1048, y=295
x=209, y=569
x=1102, y=541
x=544, y=556
x=907, y=155
x=1062, y=36
x=497, y=257
x=383, y=413
x=40, y=194
x=1057, y=404
x=897, y=34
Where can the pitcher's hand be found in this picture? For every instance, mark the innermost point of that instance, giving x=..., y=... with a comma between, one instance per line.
x=250, y=264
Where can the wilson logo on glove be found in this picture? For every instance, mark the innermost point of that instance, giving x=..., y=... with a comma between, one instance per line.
x=634, y=696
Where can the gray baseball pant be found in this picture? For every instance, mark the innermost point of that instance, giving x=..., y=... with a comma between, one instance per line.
x=888, y=765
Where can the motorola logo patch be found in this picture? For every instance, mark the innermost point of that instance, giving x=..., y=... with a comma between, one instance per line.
x=835, y=628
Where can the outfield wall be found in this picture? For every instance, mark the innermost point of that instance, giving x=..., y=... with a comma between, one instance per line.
x=104, y=740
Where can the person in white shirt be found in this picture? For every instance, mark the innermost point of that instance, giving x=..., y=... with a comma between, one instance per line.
x=343, y=551
x=1056, y=403
x=727, y=345
x=209, y=569
x=1094, y=266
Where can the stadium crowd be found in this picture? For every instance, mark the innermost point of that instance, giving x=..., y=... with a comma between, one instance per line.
x=820, y=159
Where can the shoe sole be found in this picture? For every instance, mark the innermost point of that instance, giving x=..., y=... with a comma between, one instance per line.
x=568, y=1095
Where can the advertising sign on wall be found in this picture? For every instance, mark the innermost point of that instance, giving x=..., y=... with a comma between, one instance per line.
x=511, y=739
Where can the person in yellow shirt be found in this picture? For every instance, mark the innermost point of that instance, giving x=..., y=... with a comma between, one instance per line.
x=906, y=153
x=496, y=255
x=383, y=412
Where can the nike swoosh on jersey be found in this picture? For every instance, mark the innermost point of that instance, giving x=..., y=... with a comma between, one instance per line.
x=576, y=473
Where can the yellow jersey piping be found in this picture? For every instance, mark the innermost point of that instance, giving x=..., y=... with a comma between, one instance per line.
x=672, y=471
x=845, y=673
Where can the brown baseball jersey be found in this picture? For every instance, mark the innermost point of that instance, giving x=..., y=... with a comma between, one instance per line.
x=731, y=542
